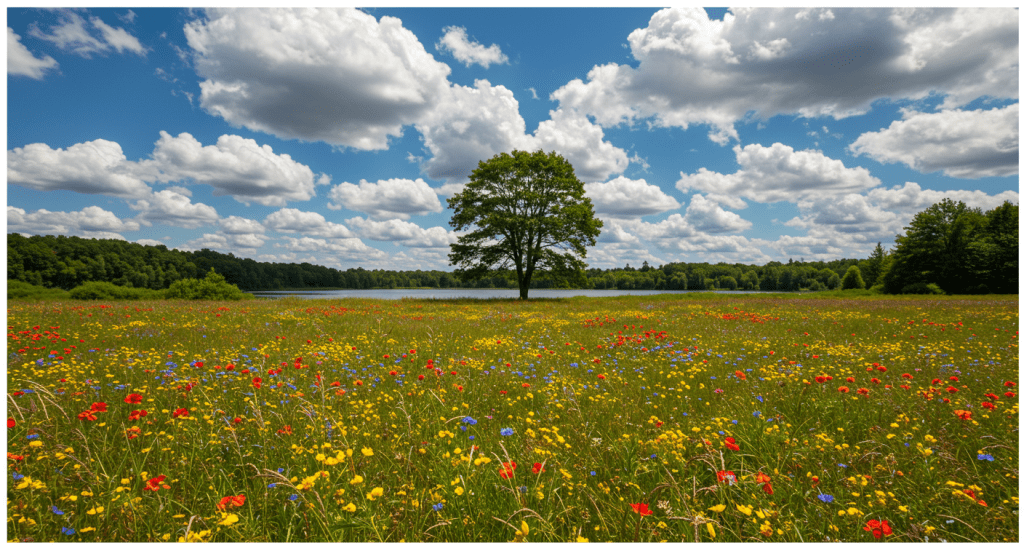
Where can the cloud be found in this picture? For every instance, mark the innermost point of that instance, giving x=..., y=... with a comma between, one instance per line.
x=235, y=225
x=290, y=220
x=911, y=198
x=469, y=125
x=402, y=232
x=338, y=76
x=96, y=167
x=173, y=208
x=778, y=173
x=208, y=240
x=149, y=242
x=961, y=144
x=581, y=142
x=707, y=217
x=235, y=166
x=469, y=52
x=92, y=222
x=811, y=62
x=622, y=197
x=386, y=199
x=71, y=35
x=336, y=251
x=21, y=62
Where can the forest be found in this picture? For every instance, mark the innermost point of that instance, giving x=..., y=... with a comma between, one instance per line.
x=947, y=248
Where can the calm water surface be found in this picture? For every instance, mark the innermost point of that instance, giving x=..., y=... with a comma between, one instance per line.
x=465, y=293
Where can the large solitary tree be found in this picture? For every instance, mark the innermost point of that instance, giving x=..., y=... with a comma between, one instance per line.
x=527, y=212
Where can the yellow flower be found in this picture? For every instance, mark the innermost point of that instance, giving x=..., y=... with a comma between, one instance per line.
x=96, y=510
x=581, y=539
x=374, y=493
x=351, y=507
x=227, y=519
x=367, y=451
x=717, y=508
x=745, y=509
x=459, y=491
x=356, y=480
x=711, y=529
x=84, y=530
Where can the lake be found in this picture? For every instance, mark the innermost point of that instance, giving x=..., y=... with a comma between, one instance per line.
x=468, y=293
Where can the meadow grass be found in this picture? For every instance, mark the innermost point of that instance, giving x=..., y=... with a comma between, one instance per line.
x=666, y=418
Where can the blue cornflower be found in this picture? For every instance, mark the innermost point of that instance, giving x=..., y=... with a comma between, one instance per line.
x=826, y=498
x=56, y=510
x=16, y=476
x=293, y=497
x=272, y=485
x=757, y=414
x=986, y=457
x=438, y=507
x=67, y=531
x=469, y=420
x=507, y=431
x=842, y=465
x=593, y=473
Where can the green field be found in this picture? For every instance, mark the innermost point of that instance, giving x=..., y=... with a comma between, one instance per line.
x=663, y=418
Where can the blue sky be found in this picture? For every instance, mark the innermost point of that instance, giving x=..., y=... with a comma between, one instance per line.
x=335, y=137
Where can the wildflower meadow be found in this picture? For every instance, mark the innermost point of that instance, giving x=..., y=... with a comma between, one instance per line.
x=664, y=418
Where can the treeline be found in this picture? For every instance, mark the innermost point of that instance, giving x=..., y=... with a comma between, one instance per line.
x=948, y=248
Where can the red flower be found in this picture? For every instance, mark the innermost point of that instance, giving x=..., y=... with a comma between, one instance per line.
x=87, y=416
x=740, y=375
x=1009, y=384
x=988, y=405
x=421, y=377
x=876, y=381
x=15, y=457
x=863, y=391
x=154, y=484
x=1009, y=395
x=10, y=423
x=199, y=364
x=286, y=430
x=954, y=379
x=525, y=385
x=882, y=368
x=359, y=383
x=641, y=509
x=726, y=476
x=230, y=367
x=951, y=389
x=98, y=406
x=538, y=468
x=231, y=502
x=877, y=528
x=819, y=379
x=257, y=382
x=507, y=470
x=992, y=396
x=843, y=389
x=181, y=412
x=850, y=379
x=135, y=415
x=133, y=399
x=963, y=415
x=600, y=377
x=907, y=376
x=237, y=420
x=730, y=443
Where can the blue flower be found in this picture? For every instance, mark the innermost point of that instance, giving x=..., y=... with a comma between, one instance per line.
x=292, y=497
x=826, y=498
x=438, y=507
x=507, y=431
x=593, y=473
x=986, y=457
x=757, y=414
x=842, y=465
x=67, y=531
x=56, y=510
x=16, y=476
x=469, y=420
x=272, y=485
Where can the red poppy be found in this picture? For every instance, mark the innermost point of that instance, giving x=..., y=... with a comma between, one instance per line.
x=133, y=399
x=199, y=364
x=740, y=375
x=1009, y=384
x=843, y=389
x=538, y=468
x=286, y=430
x=954, y=379
x=730, y=443
x=862, y=391
x=600, y=377
x=98, y=406
x=819, y=379
x=992, y=396
x=988, y=405
x=951, y=389
x=231, y=502
x=237, y=420
x=814, y=481
x=907, y=376
x=135, y=415
x=641, y=509
x=230, y=367
x=1009, y=395
x=507, y=470
x=726, y=476
x=87, y=416
x=876, y=381
x=877, y=528
x=335, y=383
x=154, y=484
x=10, y=423
x=257, y=382
x=15, y=457
x=963, y=415
x=180, y=412
x=359, y=383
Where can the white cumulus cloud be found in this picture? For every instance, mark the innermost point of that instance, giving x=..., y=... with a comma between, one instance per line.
x=290, y=220
x=173, y=208
x=961, y=144
x=467, y=51
x=623, y=197
x=92, y=222
x=72, y=34
x=402, y=232
x=386, y=199
x=21, y=61
x=333, y=75
x=95, y=167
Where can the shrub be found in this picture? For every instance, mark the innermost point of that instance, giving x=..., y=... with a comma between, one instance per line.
x=23, y=290
x=853, y=279
x=103, y=290
x=922, y=288
x=213, y=287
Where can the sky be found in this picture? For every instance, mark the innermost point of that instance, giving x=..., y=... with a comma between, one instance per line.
x=336, y=136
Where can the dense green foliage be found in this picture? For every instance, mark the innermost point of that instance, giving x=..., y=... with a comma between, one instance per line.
x=211, y=288
x=959, y=249
x=22, y=290
x=853, y=279
x=104, y=290
x=524, y=211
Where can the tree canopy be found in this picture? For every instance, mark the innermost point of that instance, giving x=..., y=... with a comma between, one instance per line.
x=525, y=212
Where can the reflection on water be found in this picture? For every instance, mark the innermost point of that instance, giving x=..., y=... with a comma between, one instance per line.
x=468, y=293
